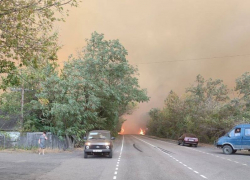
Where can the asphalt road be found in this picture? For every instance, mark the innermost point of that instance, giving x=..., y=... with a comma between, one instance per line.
x=135, y=157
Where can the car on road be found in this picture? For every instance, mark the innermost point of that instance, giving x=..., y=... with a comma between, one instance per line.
x=98, y=142
x=188, y=139
x=237, y=138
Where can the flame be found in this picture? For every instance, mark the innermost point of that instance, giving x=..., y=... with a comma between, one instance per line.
x=142, y=132
x=122, y=131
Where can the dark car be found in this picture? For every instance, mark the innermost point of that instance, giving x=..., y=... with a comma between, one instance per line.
x=98, y=142
x=188, y=139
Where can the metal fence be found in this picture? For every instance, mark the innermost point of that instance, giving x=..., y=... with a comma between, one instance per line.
x=30, y=140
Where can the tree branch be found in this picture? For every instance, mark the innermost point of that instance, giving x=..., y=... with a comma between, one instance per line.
x=9, y=11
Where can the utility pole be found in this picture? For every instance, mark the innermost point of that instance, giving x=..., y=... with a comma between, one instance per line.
x=22, y=101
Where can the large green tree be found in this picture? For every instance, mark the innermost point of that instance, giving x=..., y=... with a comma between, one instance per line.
x=26, y=34
x=93, y=90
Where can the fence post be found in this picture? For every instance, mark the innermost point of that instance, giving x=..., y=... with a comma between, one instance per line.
x=4, y=141
x=51, y=141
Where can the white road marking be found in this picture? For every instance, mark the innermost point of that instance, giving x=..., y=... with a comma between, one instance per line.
x=118, y=161
x=173, y=157
x=218, y=156
x=122, y=145
x=204, y=177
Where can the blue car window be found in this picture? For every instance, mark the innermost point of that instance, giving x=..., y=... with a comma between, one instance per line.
x=247, y=132
x=237, y=132
x=231, y=134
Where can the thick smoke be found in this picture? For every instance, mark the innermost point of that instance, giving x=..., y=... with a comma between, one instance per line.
x=166, y=30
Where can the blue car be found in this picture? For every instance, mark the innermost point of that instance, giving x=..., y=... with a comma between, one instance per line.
x=237, y=138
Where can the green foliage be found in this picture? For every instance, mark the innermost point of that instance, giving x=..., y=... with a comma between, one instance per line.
x=205, y=110
x=242, y=85
x=92, y=91
x=9, y=103
x=33, y=124
x=26, y=37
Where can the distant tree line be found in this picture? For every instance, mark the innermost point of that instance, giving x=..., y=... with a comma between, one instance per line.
x=208, y=109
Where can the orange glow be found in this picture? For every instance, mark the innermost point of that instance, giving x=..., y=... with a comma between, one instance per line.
x=122, y=131
x=142, y=132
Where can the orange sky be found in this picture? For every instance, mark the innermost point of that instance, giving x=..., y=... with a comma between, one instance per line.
x=166, y=30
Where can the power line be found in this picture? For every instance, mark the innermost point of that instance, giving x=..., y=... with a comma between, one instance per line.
x=195, y=59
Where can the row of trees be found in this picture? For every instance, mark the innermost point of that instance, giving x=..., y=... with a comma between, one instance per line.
x=92, y=91
x=208, y=109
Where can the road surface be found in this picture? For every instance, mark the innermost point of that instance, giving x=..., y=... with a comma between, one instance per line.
x=135, y=157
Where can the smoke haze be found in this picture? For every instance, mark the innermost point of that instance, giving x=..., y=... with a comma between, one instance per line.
x=184, y=32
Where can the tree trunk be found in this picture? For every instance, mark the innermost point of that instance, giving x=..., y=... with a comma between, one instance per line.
x=70, y=143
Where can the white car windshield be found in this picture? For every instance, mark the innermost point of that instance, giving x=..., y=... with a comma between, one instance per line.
x=99, y=135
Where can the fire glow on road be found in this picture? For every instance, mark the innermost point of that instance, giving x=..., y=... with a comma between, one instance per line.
x=122, y=131
x=141, y=132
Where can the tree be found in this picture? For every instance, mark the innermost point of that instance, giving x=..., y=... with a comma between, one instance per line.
x=208, y=90
x=16, y=100
x=243, y=86
x=241, y=104
x=26, y=36
x=93, y=90
x=204, y=110
x=153, y=123
x=109, y=68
